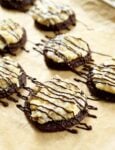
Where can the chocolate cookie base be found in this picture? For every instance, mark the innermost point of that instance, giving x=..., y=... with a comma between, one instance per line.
x=106, y=96
x=71, y=21
x=54, y=126
x=19, y=5
x=12, y=48
x=54, y=65
x=13, y=87
x=67, y=65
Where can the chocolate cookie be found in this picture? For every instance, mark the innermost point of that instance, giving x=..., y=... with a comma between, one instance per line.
x=50, y=16
x=101, y=80
x=65, y=51
x=12, y=77
x=58, y=105
x=12, y=36
x=21, y=5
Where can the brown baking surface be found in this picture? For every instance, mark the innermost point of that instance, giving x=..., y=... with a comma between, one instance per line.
x=97, y=26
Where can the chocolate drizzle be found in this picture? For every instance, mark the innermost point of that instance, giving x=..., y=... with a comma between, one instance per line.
x=10, y=98
x=24, y=49
x=92, y=74
x=11, y=75
x=5, y=104
x=91, y=115
x=106, y=73
x=73, y=131
x=99, y=82
x=84, y=126
x=22, y=96
x=10, y=28
x=70, y=44
x=37, y=47
x=43, y=48
x=5, y=72
x=58, y=91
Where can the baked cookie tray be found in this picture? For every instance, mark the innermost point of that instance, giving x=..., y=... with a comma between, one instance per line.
x=96, y=25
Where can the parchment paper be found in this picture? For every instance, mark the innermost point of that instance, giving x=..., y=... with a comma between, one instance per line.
x=96, y=24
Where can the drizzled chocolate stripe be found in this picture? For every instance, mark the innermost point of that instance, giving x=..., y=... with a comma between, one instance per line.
x=69, y=48
x=37, y=50
x=5, y=104
x=56, y=52
x=63, y=95
x=8, y=81
x=67, y=93
x=112, y=66
x=7, y=76
x=111, y=73
x=12, y=99
x=9, y=63
x=83, y=73
x=58, y=85
x=16, y=35
x=44, y=113
x=3, y=39
x=12, y=29
x=81, y=48
x=59, y=90
x=11, y=26
x=64, y=87
x=47, y=100
x=50, y=110
x=8, y=71
x=106, y=83
x=58, y=98
x=105, y=74
x=13, y=34
x=108, y=78
x=14, y=74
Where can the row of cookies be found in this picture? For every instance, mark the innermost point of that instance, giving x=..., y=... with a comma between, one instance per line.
x=40, y=107
x=55, y=105
x=73, y=106
x=48, y=15
x=67, y=113
x=62, y=52
x=51, y=109
x=65, y=52
x=62, y=110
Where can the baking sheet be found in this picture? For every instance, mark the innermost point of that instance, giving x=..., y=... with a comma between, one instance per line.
x=96, y=24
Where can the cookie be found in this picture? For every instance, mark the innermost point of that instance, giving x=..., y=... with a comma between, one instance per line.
x=50, y=16
x=101, y=80
x=65, y=51
x=12, y=36
x=12, y=77
x=58, y=105
x=21, y=5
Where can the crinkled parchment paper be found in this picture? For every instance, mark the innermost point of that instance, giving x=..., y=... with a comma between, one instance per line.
x=96, y=24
